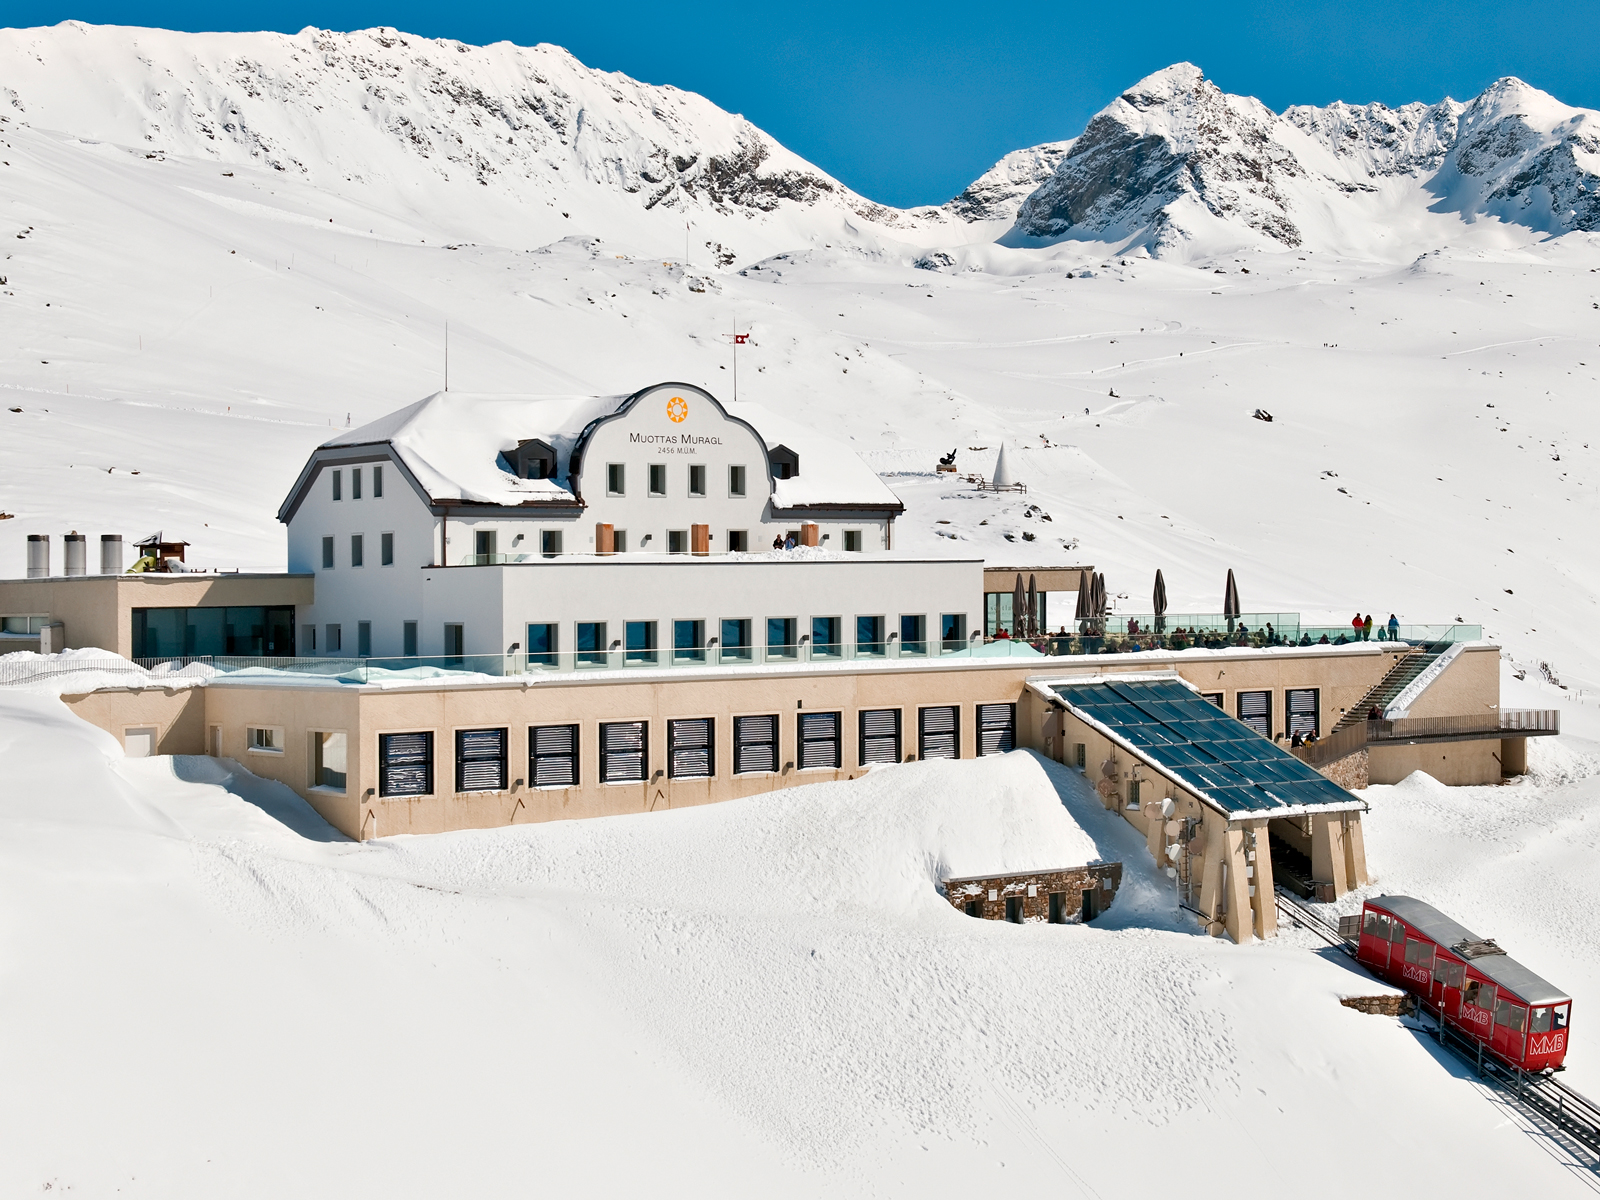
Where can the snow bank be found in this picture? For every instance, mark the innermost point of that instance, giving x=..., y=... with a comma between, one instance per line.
x=71, y=672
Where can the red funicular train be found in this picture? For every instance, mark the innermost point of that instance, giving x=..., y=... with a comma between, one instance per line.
x=1471, y=981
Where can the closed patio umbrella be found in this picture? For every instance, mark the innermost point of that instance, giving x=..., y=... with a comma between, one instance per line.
x=1019, y=600
x=1159, y=602
x=1084, y=610
x=1230, y=601
x=1033, y=606
x=1100, y=599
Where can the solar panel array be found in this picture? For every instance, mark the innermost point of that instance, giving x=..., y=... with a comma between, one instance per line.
x=1202, y=746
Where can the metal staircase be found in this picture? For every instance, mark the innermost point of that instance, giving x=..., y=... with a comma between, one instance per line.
x=1391, y=685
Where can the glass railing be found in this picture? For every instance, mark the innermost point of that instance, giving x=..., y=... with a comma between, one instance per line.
x=343, y=669
x=1178, y=636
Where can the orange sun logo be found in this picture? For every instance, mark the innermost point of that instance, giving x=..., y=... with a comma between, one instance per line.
x=677, y=408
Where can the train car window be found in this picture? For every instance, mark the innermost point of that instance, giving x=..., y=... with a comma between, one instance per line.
x=1510, y=1015
x=1377, y=925
x=1397, y=930
x=1420, y=953
x=1559, y=1013
x=1479, y=994
x=1540, y=1022
x=1448, y=973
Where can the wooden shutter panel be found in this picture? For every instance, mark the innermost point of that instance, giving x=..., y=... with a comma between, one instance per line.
x=622, y=752
x=689, y=748
x=481, y=760
x=555, y=755
x=997, y=728
x=880, y=735
x=405, y=764
x=755, y=744
x=939, y=732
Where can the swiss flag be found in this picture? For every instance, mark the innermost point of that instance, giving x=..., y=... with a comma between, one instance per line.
x=740, y=339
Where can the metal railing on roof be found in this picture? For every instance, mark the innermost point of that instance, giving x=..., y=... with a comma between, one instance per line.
x=1505, y=722
x=1132, y=634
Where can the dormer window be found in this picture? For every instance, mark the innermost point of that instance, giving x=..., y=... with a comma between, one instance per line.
x=785, y=462
x=534, y=459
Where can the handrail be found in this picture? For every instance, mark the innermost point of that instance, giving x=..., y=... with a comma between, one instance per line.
x=1510, y=720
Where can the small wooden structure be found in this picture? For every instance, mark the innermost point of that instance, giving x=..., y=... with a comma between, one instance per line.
x=160, y=551
x=1062, y=896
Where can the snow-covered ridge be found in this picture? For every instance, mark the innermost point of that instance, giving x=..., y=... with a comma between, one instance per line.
x=380, y=107
x=1176, y=165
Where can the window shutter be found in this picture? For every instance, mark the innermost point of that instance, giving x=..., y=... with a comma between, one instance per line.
x=689, y=748
x=1255, y=710
x=405, y=764
x=1301, y=710
x=819, y=740
x=997, y=728
x=880, y=735
x=755, y=744
x=554, y=750
x=481, y=760
x=623, y=752
x=939, y=732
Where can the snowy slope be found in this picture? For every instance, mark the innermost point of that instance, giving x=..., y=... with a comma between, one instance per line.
x=757, y=996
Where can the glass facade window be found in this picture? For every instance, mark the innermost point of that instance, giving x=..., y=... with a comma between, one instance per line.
x=697, y=479
x=357, y=550
x=550, y=542
x=738, y=541
x=736, y=481
x=619, y=541
x=592, y=643
x=825, y=637
x=266, y=632
x=658, y=479
x=852, y=541
x=677, y=541
x=913, y=635
x=455, y=640
x=869, y=637
x=338, y=485
x=688, y=641
x=781, y=637
x=364, y=638
x=953, y=632
x=355, y=483
x=408, y=636
x=639, y=644
x=542, y=645
x=386, y=549
x=735, y=643
x=616, y=479
x=327, y=554
x=333, y=638
x=377, y=483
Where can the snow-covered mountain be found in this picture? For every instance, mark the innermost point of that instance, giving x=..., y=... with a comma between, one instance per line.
x=379, y=114
x=1178, y=166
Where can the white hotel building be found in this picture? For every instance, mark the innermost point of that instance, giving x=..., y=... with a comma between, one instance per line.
x=596, y=532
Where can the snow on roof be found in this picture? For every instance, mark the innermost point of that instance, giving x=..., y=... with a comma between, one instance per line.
x=453, y=443
x=830, y=472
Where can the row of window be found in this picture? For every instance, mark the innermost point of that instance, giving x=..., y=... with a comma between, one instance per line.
x=406, y=760
x=355, y=483
x=656, y=475
x=733, y=638
x=358, y=550
x=1302, y=708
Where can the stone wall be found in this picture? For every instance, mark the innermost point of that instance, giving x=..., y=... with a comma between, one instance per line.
x=986, y=896
x=1352, y=772
x=1397, y=1005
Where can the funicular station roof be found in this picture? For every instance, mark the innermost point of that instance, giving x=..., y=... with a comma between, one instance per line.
x=1221, y=761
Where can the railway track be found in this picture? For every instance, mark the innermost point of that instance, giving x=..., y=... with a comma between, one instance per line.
x=1544, y=1097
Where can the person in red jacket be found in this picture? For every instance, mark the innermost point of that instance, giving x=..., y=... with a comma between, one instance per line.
x=1357, y=624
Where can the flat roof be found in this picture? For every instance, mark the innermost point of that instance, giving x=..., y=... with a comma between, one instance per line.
x=1502, y=968
x=1222, y=761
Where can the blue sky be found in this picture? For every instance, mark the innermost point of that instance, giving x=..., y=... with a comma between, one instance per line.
x=908, y=103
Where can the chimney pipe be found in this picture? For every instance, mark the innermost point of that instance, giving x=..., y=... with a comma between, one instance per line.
x=111, y=554
x=75, y=553
x=38, y=556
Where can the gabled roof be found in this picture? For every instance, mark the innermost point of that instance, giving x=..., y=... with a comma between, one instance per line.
x=1222, y=761
x=458, y=447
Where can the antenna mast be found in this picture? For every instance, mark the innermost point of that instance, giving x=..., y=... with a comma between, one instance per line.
x=447, y=356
